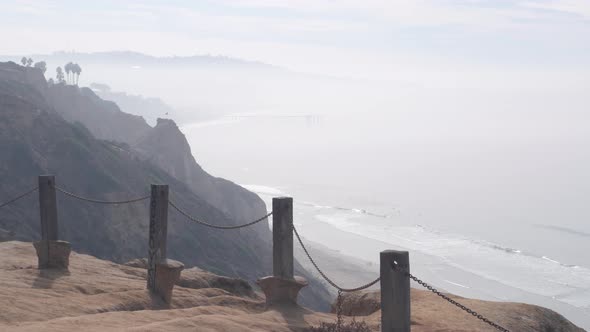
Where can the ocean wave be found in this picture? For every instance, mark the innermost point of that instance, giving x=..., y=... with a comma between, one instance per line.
x=536, y=274
x=209, y=123
x=504, y=249
x=348, y=209
x=513, y=267
x=264, y=190
x=270, y=191
x=456, y=284
x=550, y=260
x=562, y=229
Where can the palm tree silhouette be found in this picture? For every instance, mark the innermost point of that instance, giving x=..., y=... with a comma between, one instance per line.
x=76, y=69
x=69, y=69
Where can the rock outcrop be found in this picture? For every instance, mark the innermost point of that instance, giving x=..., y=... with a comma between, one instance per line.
x=166, y=146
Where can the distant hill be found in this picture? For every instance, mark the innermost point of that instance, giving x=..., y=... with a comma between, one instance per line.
x=138, y=59
x=89, y=144
x=206, y=86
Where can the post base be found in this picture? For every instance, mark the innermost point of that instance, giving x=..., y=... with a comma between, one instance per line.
x=167, y=274
x=281, y=291
x=53, y=254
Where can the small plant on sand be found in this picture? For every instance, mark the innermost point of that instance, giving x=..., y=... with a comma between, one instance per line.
x=353, y=326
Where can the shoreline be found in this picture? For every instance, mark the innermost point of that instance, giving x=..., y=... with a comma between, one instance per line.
x=352, y=271
x=357, y=263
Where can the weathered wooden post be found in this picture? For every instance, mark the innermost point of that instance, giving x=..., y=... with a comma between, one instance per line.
x=51, y=252
x=282, y=237
x=163, y=273
x=282, y=287
x=395, y=291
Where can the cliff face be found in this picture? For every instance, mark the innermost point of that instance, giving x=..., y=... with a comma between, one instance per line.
x=35, y=139
x=103, y=118
x=166, y=147
x=149, y=108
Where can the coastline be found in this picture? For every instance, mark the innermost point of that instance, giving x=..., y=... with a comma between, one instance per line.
x=356, y=263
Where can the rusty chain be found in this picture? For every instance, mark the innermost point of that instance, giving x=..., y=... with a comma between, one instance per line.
x=18, y=197
x=216, y=226
x=396, y=267
x=341, y=290
x=67, y=193
x=330, y=281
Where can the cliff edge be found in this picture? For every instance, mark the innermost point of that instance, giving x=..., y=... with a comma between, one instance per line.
x=98, y=295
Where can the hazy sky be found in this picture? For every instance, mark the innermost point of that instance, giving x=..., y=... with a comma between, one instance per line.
x=351, y=38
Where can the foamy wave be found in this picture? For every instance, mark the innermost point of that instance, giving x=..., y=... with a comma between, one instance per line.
x=512, y=267
x=456, y=284
x=210, y=123
x=551, y=260
x=354, y=210
x=264, y=190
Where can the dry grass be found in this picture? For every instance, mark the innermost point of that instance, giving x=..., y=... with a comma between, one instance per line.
x=353, y=326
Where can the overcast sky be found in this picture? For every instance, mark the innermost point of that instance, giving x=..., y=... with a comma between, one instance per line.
x=344, y=37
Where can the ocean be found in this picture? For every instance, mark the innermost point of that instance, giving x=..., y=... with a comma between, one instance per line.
x=497, y=217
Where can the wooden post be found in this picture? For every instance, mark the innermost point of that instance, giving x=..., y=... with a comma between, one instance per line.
x=51, y=252
x=48, y=217
x=282, y=237
x=158, y=231
x=48, y=207
x=282, y=287
x=395, y=292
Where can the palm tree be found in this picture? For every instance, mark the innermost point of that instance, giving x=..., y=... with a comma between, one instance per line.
x=74, y=73
x=60, y=75
x=78, y=71
x=68, y=68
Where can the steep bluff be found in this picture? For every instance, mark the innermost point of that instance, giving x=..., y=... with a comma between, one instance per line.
x=168, y=148
x=164, y=146
x=103, y=118
x=35, y=139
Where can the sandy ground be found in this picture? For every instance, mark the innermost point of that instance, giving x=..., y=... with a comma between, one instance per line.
x=97, y=295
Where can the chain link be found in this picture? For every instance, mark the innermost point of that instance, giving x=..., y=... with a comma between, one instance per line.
x=448, y=299
x=19, y=197
x=217, y=226
x=67, y=193
x=332, y=283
